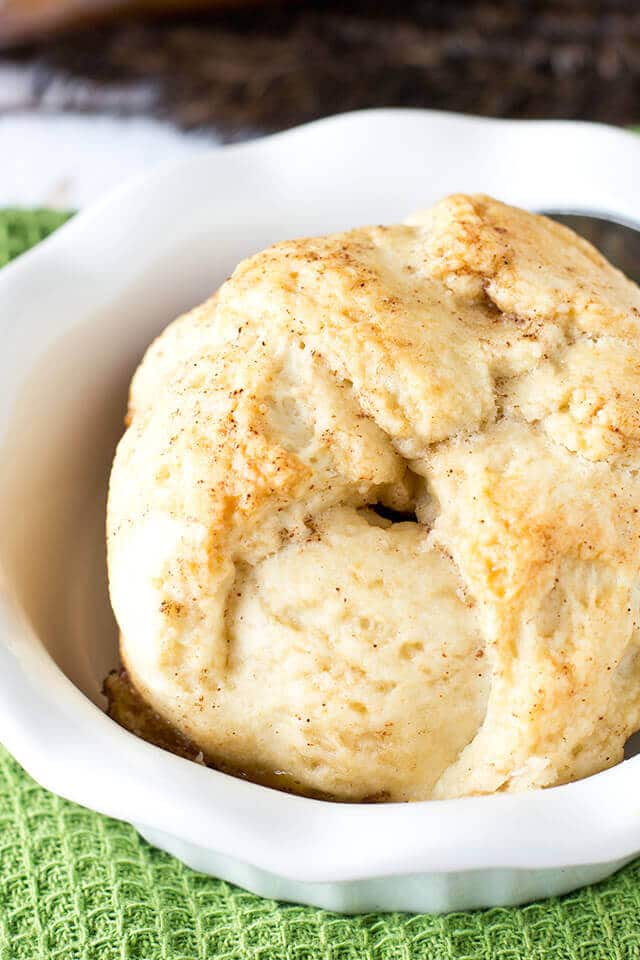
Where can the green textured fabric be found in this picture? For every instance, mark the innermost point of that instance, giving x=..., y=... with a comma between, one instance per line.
x=78, y=886
x=21, y=229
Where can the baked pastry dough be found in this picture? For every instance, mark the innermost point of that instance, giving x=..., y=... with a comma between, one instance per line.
x=374, y=527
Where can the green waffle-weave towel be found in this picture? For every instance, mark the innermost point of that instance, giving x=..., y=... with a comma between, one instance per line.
x=78, y=886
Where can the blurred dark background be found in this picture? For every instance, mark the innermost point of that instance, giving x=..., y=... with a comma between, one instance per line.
x=244, y=71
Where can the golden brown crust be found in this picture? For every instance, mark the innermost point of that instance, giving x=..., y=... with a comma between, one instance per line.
x=476, y=365
x=131, y=711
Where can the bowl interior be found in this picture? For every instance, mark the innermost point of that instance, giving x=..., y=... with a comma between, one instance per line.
x=90, y=307
x=56, y=463
x=62, y=438
x=56, y=460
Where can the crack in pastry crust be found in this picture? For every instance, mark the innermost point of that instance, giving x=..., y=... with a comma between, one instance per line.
x=473, y=367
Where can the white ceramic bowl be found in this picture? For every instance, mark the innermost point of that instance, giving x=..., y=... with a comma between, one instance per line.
x=75, y=317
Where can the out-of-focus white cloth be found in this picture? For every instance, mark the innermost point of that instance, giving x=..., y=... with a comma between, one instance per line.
x=68, y=160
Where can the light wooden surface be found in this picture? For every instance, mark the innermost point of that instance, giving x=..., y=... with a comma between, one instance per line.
x=22, y=20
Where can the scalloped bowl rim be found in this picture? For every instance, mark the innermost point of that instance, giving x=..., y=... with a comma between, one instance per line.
x=87, y=758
